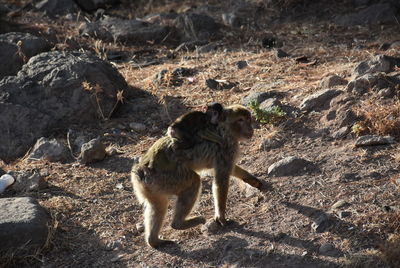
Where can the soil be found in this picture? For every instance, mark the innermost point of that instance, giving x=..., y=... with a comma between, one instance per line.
x=97, y=219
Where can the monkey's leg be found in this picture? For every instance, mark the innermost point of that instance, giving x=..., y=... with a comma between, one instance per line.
x=245, y=176
x=184, y=205
x=220, y=192
x=210, y=135
x=155, y=210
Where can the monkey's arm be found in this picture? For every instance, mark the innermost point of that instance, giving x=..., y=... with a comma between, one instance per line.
x=210, y=135
x=245, y=176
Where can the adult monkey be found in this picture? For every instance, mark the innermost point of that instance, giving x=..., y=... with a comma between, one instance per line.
x=165, y=170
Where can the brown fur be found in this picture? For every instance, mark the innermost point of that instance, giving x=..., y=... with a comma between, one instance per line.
x=164, y=171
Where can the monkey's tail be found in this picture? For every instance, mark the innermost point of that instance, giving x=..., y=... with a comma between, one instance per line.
x=137, y=178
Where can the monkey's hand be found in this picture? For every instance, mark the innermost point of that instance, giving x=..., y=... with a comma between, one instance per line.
x=248, y=178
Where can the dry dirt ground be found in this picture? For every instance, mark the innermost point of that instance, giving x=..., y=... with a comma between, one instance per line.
x=97, y=218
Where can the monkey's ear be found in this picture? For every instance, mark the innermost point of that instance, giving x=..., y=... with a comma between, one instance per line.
x=204, y=108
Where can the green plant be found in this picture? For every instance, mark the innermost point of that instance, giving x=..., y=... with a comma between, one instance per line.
x=356, y=129
x=271, y=116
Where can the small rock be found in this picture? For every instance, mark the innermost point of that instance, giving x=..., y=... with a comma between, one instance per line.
x=327, y=250
x=341, y=133
x=27, y=181
x=373, y=140
x=380, y=63
x=320, y=100
x=271, y=143
x=344, y=214
x=138, y=127
x=241, y=64
x=5, y=181
x=49, y=149
x=279, y=53
x=270, y=103
x=289, y=166
x=119, y=186
x=140, y=227
x=321, y=223
x=331, y=81
x=92, y=151
x=211, y=227
x=24, y=226
x=257, y=97
x=339, y=204
x=206, y=48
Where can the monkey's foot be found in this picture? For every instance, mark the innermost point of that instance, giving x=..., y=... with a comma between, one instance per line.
x=189, y=223
x=159, y=243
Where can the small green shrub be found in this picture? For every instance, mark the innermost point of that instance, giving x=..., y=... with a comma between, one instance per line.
x=271, y=116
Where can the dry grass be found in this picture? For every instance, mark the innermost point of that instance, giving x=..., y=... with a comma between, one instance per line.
x=378, y=118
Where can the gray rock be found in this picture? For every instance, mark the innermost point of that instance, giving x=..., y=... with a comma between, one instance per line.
x=92, y=5
x=192, y=26
x=321, y=224
x=139, y=127
x=341, y=133
x=320, y=100
x=270, y=103
x=127, y=31
x=372, y=140
x=269, y=144
x=206, y=48
x=279, y=53
x=24, y=225
x=49, y=149
x=30, y=45
x=13, y=56
x=28, y=181
x=289, y=166
x=92, y=151
x=374, y=14
x=362, y=84
x=327, y=249
x=386, y=93
x=332, y=81
x=57, y=7
x=48, y=93
x=257, y=97
x=380, y=63
x=11, y=60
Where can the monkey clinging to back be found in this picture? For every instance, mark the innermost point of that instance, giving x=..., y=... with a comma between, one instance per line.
x=187, y=128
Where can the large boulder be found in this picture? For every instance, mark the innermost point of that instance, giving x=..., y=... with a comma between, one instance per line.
x=24, y=226
x=92, y=5
x=57, y=7
x=193, y=26
x=53, y=90
x=374, y=14
x=16, y=48
x=128, y=31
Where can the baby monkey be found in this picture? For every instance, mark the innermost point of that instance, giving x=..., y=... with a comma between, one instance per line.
x=193, y=125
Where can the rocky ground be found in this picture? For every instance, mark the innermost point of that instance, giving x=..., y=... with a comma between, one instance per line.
x=101, y=87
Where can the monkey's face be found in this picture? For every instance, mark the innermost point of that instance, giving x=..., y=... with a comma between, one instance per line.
x=240, y=122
